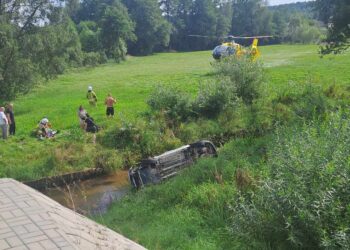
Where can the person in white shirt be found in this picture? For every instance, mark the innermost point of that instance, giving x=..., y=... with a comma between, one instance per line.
x=3, y=123
x=82, y=113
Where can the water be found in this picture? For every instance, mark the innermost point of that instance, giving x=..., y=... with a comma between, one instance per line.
x=94, y=196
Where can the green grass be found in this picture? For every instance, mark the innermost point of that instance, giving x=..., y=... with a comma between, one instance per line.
x=24, y=157
x=190, y=211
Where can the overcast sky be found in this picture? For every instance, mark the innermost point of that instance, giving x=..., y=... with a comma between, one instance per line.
x=276, y=2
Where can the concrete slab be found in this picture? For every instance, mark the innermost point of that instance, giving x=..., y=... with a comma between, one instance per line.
x=30, y=220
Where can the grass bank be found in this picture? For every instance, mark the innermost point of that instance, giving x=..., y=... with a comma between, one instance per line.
x=286, y=190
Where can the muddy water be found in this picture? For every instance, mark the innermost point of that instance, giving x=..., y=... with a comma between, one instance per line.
x=94, y=196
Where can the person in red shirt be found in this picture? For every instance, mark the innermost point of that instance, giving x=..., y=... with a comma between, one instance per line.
x=110, y=101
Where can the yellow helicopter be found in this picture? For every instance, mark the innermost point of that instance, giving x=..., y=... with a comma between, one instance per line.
x=230, y=47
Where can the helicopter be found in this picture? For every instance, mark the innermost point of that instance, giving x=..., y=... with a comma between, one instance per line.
x=230, y=47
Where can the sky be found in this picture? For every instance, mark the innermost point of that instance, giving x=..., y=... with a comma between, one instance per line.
x=276, y=2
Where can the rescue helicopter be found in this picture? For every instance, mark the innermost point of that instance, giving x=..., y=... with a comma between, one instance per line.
x=230, y=47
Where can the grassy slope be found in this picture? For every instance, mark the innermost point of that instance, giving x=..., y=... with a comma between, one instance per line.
x=24, y=157
x=192, y=211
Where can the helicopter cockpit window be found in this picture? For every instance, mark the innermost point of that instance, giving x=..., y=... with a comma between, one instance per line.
x=223, y=50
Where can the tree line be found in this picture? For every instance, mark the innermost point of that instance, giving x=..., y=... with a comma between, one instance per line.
x=41, y=38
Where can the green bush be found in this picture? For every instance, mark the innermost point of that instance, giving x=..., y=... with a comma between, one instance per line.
x=109, y=160
x=139, y=139
x=213, y=98
x=304, y=201
x=305, y=100
x=94, y=58
x=175, y=104
x=244, y=75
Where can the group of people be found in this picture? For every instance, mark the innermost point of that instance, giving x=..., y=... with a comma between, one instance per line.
x=7, y=121
x=44, y=128
x=109, y=102
x=86, y=121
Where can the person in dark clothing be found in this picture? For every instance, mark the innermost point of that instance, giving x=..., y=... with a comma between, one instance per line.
x=11, y=118
x=91, y=127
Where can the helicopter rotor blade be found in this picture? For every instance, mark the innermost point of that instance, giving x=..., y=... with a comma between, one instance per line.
x=199, y=36
x=230, y=36
x=250, y=37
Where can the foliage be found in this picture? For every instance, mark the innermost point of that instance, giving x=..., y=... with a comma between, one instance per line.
x=303, y=202
x=214, y=98
x=202, y=20
x=139, y=140
x=94, y=58
x=302, y=30
x=29, y=51
x=109, y=160
x=336, y=15
x=54, y=48
x=250, y=17
x=152, y=30
x=208, y=18
x=174, y=103
x=89, y=35
x=116, y=29
x=244, y=75
x=304, y=100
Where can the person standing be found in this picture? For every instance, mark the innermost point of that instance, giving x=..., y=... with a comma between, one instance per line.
x=11, y=118
x=91, y=96
x=110, y=101
x=3, y=123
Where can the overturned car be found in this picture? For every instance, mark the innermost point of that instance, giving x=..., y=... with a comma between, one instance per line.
x=156, y=169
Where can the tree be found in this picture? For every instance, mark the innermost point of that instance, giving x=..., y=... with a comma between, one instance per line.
x=177, y=12
x=251, y=17
x=116, y=29
x=90, y=10
x=89, y=34
x=279, y=26
x=203, y=21
x=72, y=7
x=300, y=29
x=152, y=29
x=224, y=18
x=336, y=14
x=36, y=40
x=211, y=18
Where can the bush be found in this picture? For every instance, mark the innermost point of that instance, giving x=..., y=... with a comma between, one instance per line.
x=109, y=160
x=244, y=75
x=213, y=98
x=139, y=140
x=304, y=201
x=175, y=104
x=306, y=100
x=94, y=58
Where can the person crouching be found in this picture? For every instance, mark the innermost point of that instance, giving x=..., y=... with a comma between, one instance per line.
x=91, y=127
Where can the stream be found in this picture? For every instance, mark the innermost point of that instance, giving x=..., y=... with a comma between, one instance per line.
x=93, y=196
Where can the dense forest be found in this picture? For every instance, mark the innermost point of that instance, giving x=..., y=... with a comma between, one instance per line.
x=41, y=38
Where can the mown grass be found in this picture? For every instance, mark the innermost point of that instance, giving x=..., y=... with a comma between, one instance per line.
x=24, y=157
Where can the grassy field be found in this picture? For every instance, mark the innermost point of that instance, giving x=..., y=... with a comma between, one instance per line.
x=24, y=157
x=202, y=208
